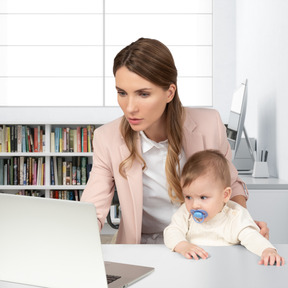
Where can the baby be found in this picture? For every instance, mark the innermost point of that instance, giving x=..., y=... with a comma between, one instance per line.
x=209, y=218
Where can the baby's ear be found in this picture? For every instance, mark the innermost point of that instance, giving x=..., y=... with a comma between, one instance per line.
x=227, y=194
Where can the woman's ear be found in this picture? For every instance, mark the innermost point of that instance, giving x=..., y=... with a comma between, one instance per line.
x=227, y=194
x=171, y=92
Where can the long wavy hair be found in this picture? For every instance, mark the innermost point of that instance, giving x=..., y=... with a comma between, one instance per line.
x=153, y=61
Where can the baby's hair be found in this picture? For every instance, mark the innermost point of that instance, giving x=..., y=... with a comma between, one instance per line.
x=207, y=162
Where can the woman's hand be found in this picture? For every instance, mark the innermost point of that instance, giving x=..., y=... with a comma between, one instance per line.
x=264, y=230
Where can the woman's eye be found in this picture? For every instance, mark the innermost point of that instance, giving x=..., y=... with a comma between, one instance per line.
x=121, y=93
x=143, y=94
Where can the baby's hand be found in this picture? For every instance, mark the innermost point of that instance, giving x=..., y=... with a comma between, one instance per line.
x=190, y=251
x=270, y=256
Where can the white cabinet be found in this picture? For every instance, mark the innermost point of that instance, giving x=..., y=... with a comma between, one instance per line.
x=268, y=201
x=271, y=206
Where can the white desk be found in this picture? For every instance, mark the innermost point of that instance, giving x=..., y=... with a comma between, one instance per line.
x=228, y=267
x=270, y=183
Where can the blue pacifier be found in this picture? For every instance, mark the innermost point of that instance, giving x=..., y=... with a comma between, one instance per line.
x=199, y=215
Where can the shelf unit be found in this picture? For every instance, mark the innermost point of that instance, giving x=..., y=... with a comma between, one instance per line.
x=45, y=190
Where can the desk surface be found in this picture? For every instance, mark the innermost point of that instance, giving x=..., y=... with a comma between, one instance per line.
x=229, y=266
x=226, y=265
x=270, y=183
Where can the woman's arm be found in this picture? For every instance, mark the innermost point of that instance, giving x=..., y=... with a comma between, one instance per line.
x=240, y=199
x=100, y=186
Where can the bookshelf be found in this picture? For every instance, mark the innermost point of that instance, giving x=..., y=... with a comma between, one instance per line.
x=48, y=160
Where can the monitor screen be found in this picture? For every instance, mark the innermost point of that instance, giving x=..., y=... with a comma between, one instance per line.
x=236, y=121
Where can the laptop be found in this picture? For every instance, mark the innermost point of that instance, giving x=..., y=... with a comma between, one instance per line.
x=55, y=244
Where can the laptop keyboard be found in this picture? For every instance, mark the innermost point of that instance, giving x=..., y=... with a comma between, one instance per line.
x=112, y=278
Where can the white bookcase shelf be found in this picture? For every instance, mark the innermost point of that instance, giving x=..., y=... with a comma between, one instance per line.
x=49, y=187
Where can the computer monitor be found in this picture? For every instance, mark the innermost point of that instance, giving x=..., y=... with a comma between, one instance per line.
x=235, y=126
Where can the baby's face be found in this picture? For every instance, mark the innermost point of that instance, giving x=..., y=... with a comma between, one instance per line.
x=206, y=194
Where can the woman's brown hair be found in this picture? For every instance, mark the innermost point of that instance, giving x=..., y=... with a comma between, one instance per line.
x=154, y=62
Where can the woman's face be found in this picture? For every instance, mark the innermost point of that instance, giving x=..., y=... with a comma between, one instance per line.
x=143, y=103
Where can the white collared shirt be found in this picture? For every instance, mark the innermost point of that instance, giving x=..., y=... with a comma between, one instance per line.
x=157, y=206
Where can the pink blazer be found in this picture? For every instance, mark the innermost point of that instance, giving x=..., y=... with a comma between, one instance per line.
x=203, y=129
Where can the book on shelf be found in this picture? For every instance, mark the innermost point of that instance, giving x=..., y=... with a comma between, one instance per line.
x=69, y=170
x=57, y=139
x=23, y=143
x=78, y=171
x=67, y=139
x=8, y=139
x=83, y=170
x=15, y=170
x=12, y=139
x=72, y=140
x=74, y=171
x=10, y=171
x=52, y=142
x=34, y=171
x=1, y=171
x=60, y=141
x=64, y=135
x=34, y=193
x=21, y=138
x=55, y=168
x=84, y=139
x=68, y=173
x=74, y=195
x=1, y=139
x=52, y=175
x=64, y=163
x=38, y=167
x=22, y=170
x=36, y=139
x=30, y=140
x=78, y=138
x=39, y=138
x=60, y=170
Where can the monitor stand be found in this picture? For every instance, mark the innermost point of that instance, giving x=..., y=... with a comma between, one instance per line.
x=251, y=153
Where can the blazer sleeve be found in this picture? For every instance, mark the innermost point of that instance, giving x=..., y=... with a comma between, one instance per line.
x=100, y=186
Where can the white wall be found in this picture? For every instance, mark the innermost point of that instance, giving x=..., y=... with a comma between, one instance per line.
x=223, y=81
x=262, y=57
x=224, y=55
x=249, y=41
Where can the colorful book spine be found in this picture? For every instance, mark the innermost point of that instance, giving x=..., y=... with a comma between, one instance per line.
x=36, y=139
x=57, y=139
x=78, y=171
x=52, y=171
x=83, y=170
x=1, y=171
x=60, y=170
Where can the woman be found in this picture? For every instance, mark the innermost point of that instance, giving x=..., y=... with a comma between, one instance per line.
x=143, y=152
